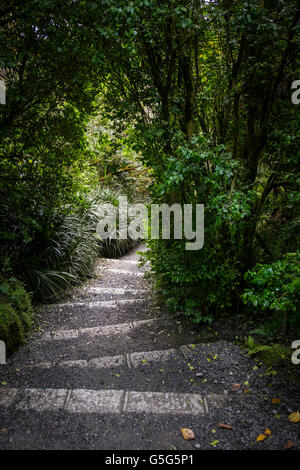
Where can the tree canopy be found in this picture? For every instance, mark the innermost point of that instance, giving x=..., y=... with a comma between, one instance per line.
x=199, y=92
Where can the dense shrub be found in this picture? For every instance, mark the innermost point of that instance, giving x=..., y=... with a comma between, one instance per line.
x=205, y=282
x=275, y=289
x=16, y=313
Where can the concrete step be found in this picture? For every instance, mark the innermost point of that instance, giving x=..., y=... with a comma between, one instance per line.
x=95, y=313
x=159, y=371
x=38, y=418
x=106, y=401
x=185, y=369
x=64, y=424
x=108, y=340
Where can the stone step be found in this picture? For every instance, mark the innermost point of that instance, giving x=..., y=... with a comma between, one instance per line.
x=149, y=334
x=96, y=304
x=122, y=261
x=127, y=272
x=108, y=330
x=94, y=419
x=112, y=279
x=115, y=291
x=185, y=369
x=65, y=425
x=109, y=401
x=126, y=262
x=117, y=373
x=95, y=313
x=163, y=371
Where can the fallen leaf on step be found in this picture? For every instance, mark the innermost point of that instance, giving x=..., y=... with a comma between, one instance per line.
x=3, y=383
x=224, y=426
x=288, y=445
x=267, y=432
x=276, y=401
x=236, y=387
x=294, y=417
x=261, y=437
x=214, y=443
x=4, y=430
x=187, y=434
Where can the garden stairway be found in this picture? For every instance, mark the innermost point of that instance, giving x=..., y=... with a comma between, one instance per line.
x=109, y=369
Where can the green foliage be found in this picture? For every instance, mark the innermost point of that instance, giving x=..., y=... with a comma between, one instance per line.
x=117, y=165
x=56, y=250
x=276, y=287
x=202, y=283
x=276, y=355
x=254, y=348
x=16, y=313
x=43, y=148
x=200, y=92
x=61, y=252
x=205, y=87
x=113, y=246
x=270, y=354
x=49, y=95
x=200, y=286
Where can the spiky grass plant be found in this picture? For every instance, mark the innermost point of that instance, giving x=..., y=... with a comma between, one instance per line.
x=65, y=256
x=54, y=251
x=113, y=246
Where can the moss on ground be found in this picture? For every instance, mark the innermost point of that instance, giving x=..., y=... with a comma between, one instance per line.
x=276, y=355
x=16, y=313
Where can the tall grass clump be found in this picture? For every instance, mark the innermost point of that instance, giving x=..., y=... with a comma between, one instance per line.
x=53, y=250
x=61, y=253
x=112, y=246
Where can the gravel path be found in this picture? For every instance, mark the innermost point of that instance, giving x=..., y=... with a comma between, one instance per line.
x=110, y=369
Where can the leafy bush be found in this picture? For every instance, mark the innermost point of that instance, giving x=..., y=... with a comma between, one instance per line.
x=199, y=286
x=276, y=288
x=15, y=313
x=202, y=283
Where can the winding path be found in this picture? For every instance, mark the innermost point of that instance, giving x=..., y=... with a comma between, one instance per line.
x=110, y=370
